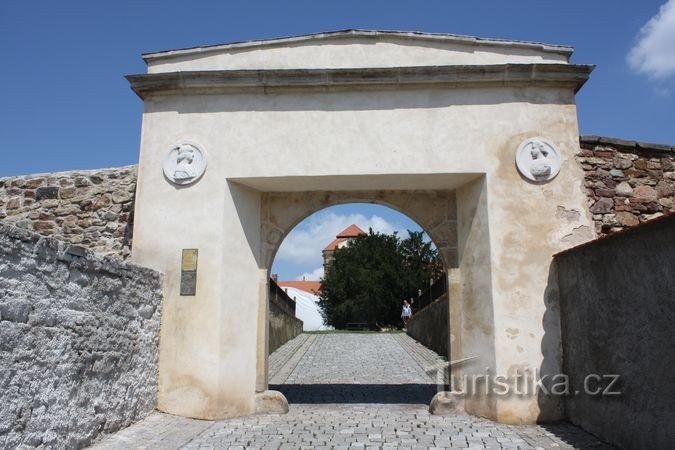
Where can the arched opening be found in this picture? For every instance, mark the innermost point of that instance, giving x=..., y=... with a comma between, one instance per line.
x=356, y=359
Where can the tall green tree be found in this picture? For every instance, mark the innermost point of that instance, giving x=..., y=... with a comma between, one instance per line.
x=421, y=259
x=368, y=279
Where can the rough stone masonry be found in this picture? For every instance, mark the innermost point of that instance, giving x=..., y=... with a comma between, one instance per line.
x=79, y=347
x=91, y=208
x=627, y=182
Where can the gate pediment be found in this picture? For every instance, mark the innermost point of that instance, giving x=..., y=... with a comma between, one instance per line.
x=357, y=49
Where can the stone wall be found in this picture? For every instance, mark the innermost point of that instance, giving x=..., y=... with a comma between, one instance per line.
x=617, y=298
x=93, y=209
x=282, y=325
x=627, y=182
x=429, y=325
x=79, y=342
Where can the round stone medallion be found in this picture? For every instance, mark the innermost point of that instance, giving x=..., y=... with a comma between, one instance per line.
x=184, y=164
x=538, y=159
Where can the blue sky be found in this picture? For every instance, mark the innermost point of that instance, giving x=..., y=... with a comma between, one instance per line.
x=299, y=256
x=64, y=103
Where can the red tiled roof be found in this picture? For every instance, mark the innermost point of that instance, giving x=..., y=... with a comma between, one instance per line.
x=333, y=245
x=313, y=287
x=351, y=231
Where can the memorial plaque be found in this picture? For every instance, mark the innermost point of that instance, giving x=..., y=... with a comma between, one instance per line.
x=184, y=164
x=188, y=283
x=189, y=262
x=538, y=159
x=188, y=272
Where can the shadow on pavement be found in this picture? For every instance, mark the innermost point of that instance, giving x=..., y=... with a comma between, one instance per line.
x=357, y=393
x=576, y=437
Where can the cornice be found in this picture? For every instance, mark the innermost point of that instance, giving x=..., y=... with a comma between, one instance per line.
x=267, y=81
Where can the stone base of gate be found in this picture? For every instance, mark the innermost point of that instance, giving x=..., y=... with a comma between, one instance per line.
x=270, y=402
x=446, y=403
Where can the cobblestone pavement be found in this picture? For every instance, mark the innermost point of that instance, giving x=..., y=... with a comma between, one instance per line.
x=429, y=360
x=355, y=368
x=363, y=363
x=283, y=361
x=357, y=359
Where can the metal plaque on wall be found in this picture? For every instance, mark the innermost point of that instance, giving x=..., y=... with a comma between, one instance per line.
x=188, y=272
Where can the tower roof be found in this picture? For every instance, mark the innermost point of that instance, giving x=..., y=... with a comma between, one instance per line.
x=351, y=231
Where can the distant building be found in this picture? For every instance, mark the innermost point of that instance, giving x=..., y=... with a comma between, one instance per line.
x=306, y=293
x=313, y=287
x=340, y=241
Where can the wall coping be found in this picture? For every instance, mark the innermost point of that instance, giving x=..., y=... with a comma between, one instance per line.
x=285, y=302
x=66, y=173
x=624, y=145
x=669, y=217
x=350, y=33
x=87, y=260
x=280, y=80
x=443, y=297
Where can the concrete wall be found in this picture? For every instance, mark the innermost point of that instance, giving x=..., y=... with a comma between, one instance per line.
x=429, y=325
x=618, y=310
x=283, y=326
x=90, y=208
x=79, y=342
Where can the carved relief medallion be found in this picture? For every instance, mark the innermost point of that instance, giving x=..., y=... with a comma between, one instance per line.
x=184, y=164
x=538, y=159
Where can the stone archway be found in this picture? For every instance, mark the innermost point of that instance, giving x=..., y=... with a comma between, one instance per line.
x=291, y=125
x=435, y=211
x=454, y=218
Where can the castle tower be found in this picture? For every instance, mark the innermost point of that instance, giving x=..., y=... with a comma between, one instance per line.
x=340, y=241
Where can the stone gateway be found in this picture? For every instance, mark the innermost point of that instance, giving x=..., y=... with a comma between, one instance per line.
x=428, y=124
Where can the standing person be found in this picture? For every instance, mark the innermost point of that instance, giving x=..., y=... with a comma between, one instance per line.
x=406, y=313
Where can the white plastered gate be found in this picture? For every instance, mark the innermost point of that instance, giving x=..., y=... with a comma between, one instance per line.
x=427, y=124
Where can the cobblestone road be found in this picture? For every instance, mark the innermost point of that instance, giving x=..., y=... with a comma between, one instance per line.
x=356, y=368
x=349, y=391
x=358, y=359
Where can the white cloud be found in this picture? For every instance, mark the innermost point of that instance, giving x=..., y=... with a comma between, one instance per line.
x=314, y=275
x=304, y=244
x=654, y=52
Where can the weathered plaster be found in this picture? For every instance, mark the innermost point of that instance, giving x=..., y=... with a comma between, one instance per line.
x=473, y=309
x=276, y=157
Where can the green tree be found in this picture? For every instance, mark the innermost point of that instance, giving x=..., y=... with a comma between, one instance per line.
x=368, y=279
x=421, y=259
